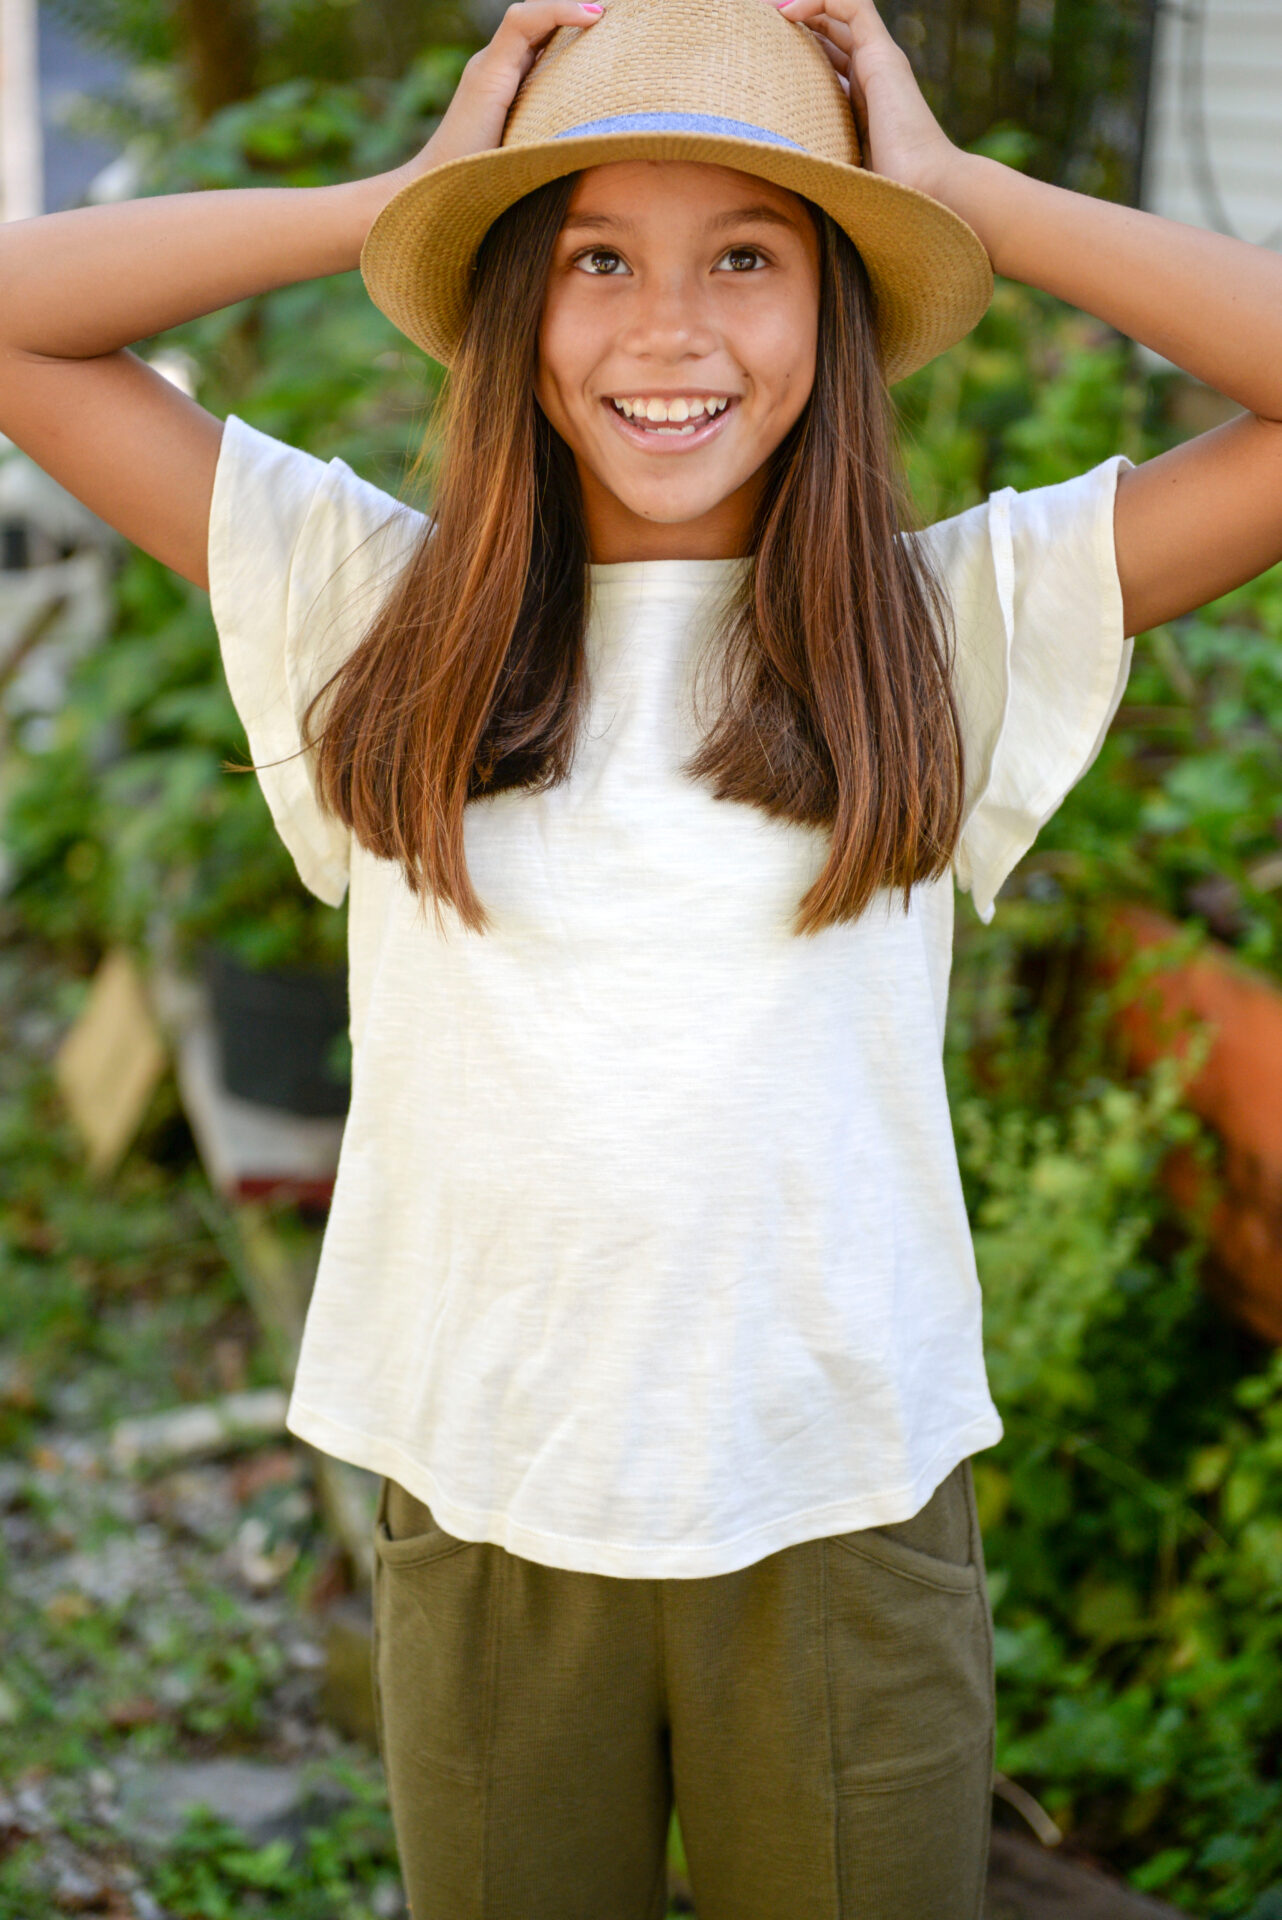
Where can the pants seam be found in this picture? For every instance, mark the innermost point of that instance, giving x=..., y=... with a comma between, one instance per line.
x=661, y=1649
x=977, y=1555
x=834, y=1799
x=497, y=1600
x=379, y=1737
x=659, y=1900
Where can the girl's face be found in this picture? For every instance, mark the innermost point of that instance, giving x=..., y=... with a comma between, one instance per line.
x=677, y=347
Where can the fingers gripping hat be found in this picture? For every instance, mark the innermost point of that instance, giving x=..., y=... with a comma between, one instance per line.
x=727, y=82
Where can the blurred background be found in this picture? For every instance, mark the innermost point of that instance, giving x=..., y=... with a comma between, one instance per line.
x=184, y=1704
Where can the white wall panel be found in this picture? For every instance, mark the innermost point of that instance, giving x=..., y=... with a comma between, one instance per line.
x=1214, y=150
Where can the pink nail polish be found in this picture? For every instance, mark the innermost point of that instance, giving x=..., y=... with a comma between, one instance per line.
x=588, y=8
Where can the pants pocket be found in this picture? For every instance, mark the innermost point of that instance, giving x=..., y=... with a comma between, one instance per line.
x=433, y=1603
x=406, y=1532
x=908, y=1643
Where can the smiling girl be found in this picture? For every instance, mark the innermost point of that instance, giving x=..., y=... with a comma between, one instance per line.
x=652, y=759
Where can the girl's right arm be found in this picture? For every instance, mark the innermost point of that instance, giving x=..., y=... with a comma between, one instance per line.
x=78, y=288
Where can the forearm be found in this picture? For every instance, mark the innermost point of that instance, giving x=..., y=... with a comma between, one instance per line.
x=1209, y=304
x=94, y=279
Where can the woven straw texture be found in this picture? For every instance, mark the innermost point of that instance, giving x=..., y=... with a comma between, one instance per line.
x=734, y=59
x=657, y=57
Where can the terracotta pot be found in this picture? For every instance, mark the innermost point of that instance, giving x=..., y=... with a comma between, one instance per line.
x=1237, y=1092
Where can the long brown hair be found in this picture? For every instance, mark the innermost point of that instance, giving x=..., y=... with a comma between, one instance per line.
x=835, y=671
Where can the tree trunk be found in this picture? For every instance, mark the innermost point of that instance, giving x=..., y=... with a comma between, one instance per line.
x=220, y=49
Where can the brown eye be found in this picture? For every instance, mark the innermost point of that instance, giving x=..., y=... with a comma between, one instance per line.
x=600, y=260
x=742, y=259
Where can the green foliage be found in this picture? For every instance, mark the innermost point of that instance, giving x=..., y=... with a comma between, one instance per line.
x=304, y=132
x=130, y=813
x=136, y=30
x=1064, y=78
x=210, y=1874
x=1187, y=810
x=1036, y=394
x=1133, y=1511
x=73, y=1267
x=325, y=39
x=1062, y=1207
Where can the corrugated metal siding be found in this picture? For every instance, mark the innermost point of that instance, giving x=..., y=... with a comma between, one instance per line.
x=1214, y=147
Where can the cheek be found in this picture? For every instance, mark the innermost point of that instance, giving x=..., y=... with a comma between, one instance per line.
x=549, y=374
x=783, y=352
x=568, y=349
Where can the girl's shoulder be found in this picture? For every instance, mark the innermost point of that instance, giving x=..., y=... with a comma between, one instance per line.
x=1049, y=532
x=302, y=552
x=1041, y=657
x=280, y=512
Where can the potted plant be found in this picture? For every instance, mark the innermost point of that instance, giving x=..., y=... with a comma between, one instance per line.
x=273, y=960
x=1199, y=986
x=200, y=868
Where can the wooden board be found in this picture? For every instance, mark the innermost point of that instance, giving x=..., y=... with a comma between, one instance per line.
x=109, y=1065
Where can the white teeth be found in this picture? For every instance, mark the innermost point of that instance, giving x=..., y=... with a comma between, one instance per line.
x=679, y=409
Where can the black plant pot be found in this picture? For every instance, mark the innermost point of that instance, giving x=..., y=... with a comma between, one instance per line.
x=276, y=1032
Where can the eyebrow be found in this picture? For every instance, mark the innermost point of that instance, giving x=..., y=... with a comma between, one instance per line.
x=762, y=214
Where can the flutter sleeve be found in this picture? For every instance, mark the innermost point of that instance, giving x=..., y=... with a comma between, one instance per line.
x=1041, y=662
x=301, y=554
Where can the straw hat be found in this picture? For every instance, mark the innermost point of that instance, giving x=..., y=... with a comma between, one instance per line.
x=729, y=82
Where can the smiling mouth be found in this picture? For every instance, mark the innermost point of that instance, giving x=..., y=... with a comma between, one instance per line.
x=676, y=417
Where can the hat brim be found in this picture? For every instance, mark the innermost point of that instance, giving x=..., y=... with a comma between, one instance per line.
x=931, y=276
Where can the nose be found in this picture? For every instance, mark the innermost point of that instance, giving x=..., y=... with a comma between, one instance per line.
x=669, y=320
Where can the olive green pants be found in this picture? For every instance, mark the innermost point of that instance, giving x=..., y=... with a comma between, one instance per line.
x=823, y=1719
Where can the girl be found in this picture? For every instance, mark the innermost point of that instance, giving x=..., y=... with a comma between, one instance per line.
x=651, y=761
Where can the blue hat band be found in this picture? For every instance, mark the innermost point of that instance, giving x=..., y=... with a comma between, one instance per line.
x=679, y=123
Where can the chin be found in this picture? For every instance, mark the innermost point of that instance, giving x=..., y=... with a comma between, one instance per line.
x=660, y=509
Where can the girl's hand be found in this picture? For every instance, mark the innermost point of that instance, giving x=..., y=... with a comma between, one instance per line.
x=474, y=119
x=900, y=136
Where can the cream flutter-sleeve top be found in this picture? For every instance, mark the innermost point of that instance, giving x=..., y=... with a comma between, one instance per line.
x=648, y=1253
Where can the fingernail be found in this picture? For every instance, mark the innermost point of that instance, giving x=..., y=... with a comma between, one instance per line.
x=589, y=8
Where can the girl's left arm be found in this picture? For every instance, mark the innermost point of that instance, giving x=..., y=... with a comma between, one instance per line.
x=1195, y=522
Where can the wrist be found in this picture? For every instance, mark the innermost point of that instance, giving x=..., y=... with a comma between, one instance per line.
x=970, y=184
x=361, y=202
x=940, y=178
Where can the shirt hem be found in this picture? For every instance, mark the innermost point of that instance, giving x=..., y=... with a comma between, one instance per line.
x=576, y=1555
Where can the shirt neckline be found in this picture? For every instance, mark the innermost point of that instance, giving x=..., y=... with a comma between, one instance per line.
x=628, y=575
